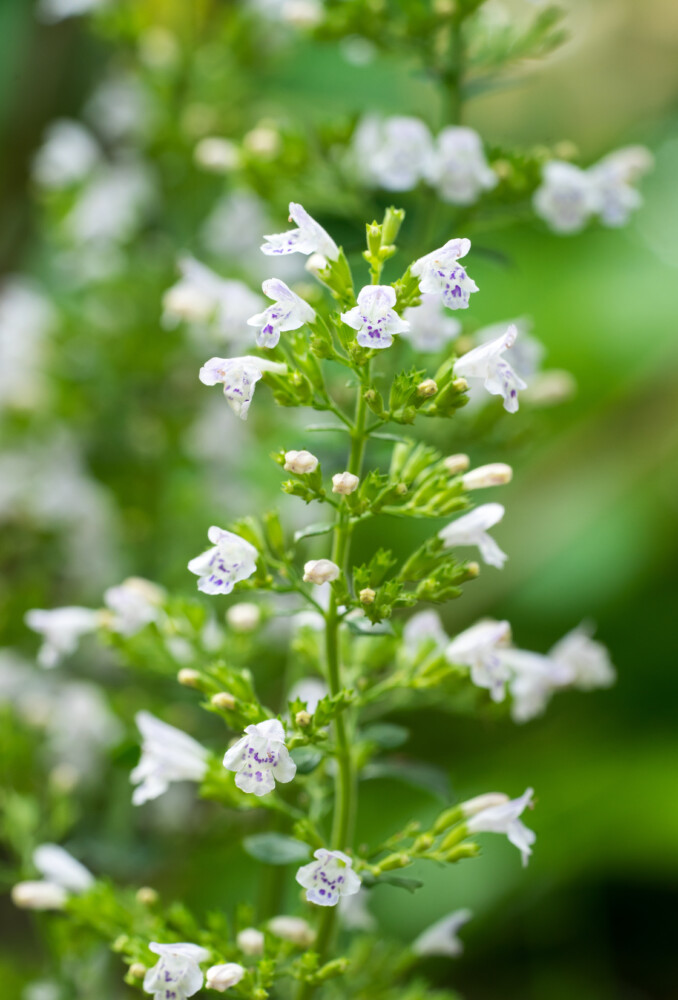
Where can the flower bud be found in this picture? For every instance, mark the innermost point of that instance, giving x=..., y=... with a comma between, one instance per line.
x=222, y=699
x=217, y=155
x=320, y=571
x=243, y=617
x=301, y=462
x=187, y=303
x=293, y=929
x=137, y=970
x=551, y=388
x=367, y=595
x=302, y=719
x=459, y=384
x=250, y=941
x=481, y=802
x=456, y=464
x=222, y=977
x=39, y=896
x=316, y=263
x=262, y=141
x=344, y=483
x=401, y=489
x=427, y=388
x=473, y=569
x=147, y=896
x=497, y=474
x=189, y=678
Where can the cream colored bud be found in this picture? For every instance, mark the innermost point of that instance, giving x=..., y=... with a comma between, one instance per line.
x=459, y=384
x=566, y=150
x=344, y=483
x=250, y=941
x=496, y=474
x=222, y=977
x=220, y=156
x=263, y=141
x=222, y=699
x=315, y=263
x=39, y=896
x=456, y=464
x=189, y=678
x=427, y=388
x=188, y=303
x=147, y=896
x=473, y=569
x=551, y=388
x=320, y=571
x=64, y=777
x=243, y=617
x=367, y=595
x=137, y=970
x=158, y=48
x=301, y=462
x=293, y=929
x=302, y=13
x=303, y=719
x=503, y=169
x=481, y=802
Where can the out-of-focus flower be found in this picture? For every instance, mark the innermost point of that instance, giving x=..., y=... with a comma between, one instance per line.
x=167, y=755
x=309, y=237
x=220, y=306
x=374, y=317
x=527, y=352
x=320, y=571
x=135, y=603
x=345, y=483
x=261, y=758
x=243, y=617
x=219, y=156
x=424, y=627
x=61, y=629
x=456, y=464
x=472, y=528
x=296, y=930
x=476, y=648
x=36, y=895
x=587, y=660
x=68, y=154
x=176, y=972
x=440, y=272
x=310, y=690
x=534, y=678
x=430, y=328
x=58, y=10
x=441, y=938
x=567, y=197
x=113, y=204
x=354, y=913
x=121, y=108
x=328, y=878
x=288, y=312
x=239, y=377
x=230, y=560
x=458, y=168
x=392, y=153
x=613, y=179
x=56, y=865
x=222, y=977
x=488, y=363
x=505, y=818
x=250, y=941
x=26, y=320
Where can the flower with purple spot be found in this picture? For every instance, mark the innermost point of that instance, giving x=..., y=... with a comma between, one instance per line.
x=374, y=317
x=230, y=560
x=177, y=974
x=261, y=758
x=309, y=237
x=441, y=272
x=487, y=362
x=288, y=312
x=328, y=878
x=239, y=377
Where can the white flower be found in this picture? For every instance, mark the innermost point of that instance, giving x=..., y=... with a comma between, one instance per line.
x=135, y=603
x=441, y=272
x=481, y=802
x=424, y=626
x=320, y=571
x=288, y=312
x=27, y=319
x=309, y=237
x=222, y=977
x=374, y=317
x=167, y=755
x=217, y=155
x=206, y=300
x=68, y=154
x=230, y=560
x=527, y=353
x=496, y=474
x=344, y=483
x=505, y=819
x=567, y=197
x=57, y=10
x=588, y=661
x=430, y=328
x=302, y=13
x=239, y=377
x=61, y=629
x=487, y=362
x=534, y=678
x=112, y=204
x=243, y=617
x=39, y=896
x=250, y=941
x=300, y=462
x=310, y=690
x=441, y=938
x=293, y=929
x=476, y=648
x=58, y=866
x=392, y=153
x=177, y=974
x=458, y=168
x=471, y=529
x=328, y=878
x=354, y=913
x=261, y=758
x=612, y=179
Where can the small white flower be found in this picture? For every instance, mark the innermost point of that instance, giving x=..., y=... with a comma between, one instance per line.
x=288, y=312
x=472, y=528
x=300, y=462
x=354, y=913
x=534, y=678
x=392, y=153
x=374, y=317
x=68, y=154
x=488, y=363
x=496, y=474
x=476, y=648
x=27, y=319
x=302, y=13
x=441, y=272
x=345, y=483
x=217, y=155
x=328, y=878
x=135, y=603
x=202, y=298
x=57, y=10
x=430, y=328
x=309, y=237
x=222, y=977
x=424, y=626
x=250, y=941
x=243, y=617
x=441, y=938
x=567, y=197
x=527, y=353
x=177, y=974
x=320, y=571
x=458, y=168
x=239, y=377
x=167, y=755
x=310, y=690
x=505, y=818
x=293, y=929
x=230, y=560
x=58, y=866
x=261, y=758
x=61, y=629
x=587, y=660
x=612, y=179
x=113, y=203
x=482, y=802
x=39, y=896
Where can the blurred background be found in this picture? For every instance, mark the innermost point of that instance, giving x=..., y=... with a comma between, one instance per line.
x=115, y=460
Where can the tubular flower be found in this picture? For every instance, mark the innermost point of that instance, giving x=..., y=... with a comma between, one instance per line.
x=261, y=758
x=472, y=528
x=374, y=317
x=458, y=168
x=177, y=974
x=309, y=237
x=441, y=938
x=505, y=818
x=167, y=755
x=230, y=560
x=567, y=197
x=288, y=312
x=430, y=328
x=61, y=629
x=476, y=648
x=328, y=878
x=239, y=377
x=441, y=272
x=487, y=362
x=392, y=153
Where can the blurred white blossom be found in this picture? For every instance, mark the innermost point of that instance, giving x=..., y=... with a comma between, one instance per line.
x=472, y=528
x=478, y=648
x=441, y=938
x=567, y=198
x=167, y=755
x=135, y=603
x=505, y=818
x=219, y=307
x=61, y=630
x=458, y=168
x=27, y=318
x=68, y=154
x=430, y=326
x=392, y=153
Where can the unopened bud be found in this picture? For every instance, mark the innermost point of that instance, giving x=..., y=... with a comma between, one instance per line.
x=262, y=141
x=367, y=595
x=334, y=968
x=320, y=571
x=551, y=388
x=503, y=169
x=220, y=156
x=456, y=464
x=394, y=861
x=250, y=941
x=301, y=462
x=566, y=150
x=39, y=896
x=301, y=13
x=473, y=569
x=137, y=970
x=401, y=489
x=293, y=929
x=459, y=384
x=344, y=483
x=223, y=700
x=316, y=263
x=243, y=617
x=427, y=388
x=222, y=977
x=422, y=843
x=147, y=896
x=393, y=220
x=497, y=474
x=302, y=719
x=481, y=802
x=189, y=678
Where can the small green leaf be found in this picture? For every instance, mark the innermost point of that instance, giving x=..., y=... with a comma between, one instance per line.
x=276, y=848
x=411, y=884
x=311, y=530
x=306, y=759
x=387, y=735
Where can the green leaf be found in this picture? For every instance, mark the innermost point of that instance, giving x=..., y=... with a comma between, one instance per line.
x=417, y=774
x=411, y=884
x=387, y=735
x=276, y=848
x=311, y=530
x=306, y=759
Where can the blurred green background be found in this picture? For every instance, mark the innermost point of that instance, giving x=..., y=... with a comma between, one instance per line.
x=590, y=526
